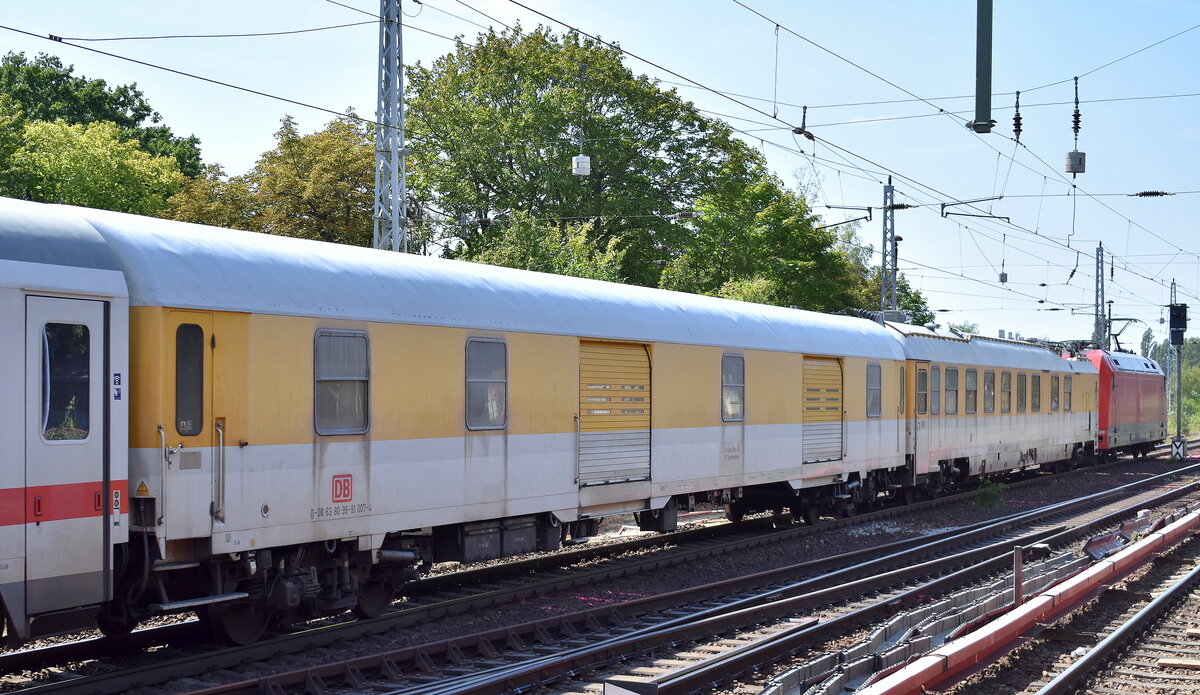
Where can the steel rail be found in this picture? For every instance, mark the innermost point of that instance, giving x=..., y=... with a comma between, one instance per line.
x=14, y=662
x=689, y=628
x=1130, y=630
x=769, y=651
x=726, y=538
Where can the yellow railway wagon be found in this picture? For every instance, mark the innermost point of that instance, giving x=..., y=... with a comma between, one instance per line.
x=312, y=425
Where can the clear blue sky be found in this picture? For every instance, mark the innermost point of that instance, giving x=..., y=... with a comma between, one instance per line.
x=927, y=48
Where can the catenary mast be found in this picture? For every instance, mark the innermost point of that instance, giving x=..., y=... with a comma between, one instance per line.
x=391, y=196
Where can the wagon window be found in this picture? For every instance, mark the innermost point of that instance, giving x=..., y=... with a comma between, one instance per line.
x=989, y=392
x=1022, y=383
x=733, y=388
x=66, y=381
x=922, y=391
x=487, y=384
x=874, y=390
x=341, y=378
x=1035, y=393
x=1067, y=393
x=951, y=390
x=935, y=389
x=903, y=390
x=1054, y=393
x=189, y=379
x=972, y=390
x=1005, y=392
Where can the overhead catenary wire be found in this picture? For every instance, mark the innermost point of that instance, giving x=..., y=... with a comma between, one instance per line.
x=813, y=159
x=216, y=36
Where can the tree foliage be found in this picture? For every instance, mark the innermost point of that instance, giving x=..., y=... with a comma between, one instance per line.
x=526, y=243
x=89, y=165
x=315, y=186
x=46, y=90
x=755, y=240
x=494, y=125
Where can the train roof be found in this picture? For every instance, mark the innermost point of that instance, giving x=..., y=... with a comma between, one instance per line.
x=183, y=265
x=932, y=345
x=34, y=233
x=1125, y=362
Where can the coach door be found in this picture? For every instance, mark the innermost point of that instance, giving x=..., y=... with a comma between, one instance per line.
x=192, y=476
x=614, y=413
x=920, y=421
x=823, y=411
x=66, y=453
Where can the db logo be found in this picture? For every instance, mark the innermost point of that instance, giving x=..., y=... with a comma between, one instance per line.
x=343, y=488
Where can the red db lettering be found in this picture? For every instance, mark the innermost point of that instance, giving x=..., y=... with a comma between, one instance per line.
x=343, y=488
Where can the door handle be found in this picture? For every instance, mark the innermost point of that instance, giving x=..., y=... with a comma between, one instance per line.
x=98, y=501
x=37, y=505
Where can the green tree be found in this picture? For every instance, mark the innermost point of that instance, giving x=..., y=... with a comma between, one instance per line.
x=965, y=327
x=215, y=199
x=89, y=165
x=494, y=124
x=908, y=300
x=315, y=186
x=46, y=90
x=755, y=240
x=526, y=243
x=12, y=135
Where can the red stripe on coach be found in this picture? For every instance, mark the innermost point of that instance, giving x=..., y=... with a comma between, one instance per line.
x=56, y=502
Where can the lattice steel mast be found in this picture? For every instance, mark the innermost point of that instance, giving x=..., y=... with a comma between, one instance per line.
x=1100, y=331
x=887, y=268
x=391, y=195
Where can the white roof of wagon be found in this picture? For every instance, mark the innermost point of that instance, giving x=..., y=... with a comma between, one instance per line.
x=987, y=352
x=36, y=233
x=184, y=265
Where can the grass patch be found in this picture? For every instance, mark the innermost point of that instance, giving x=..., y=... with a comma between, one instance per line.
x=991, y=493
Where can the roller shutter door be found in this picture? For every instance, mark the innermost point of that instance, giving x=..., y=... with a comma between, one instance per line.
x=822, y=409
x=614, y=413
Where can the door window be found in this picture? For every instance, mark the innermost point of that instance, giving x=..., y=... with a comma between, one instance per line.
x=66, y=357
x=189, y=379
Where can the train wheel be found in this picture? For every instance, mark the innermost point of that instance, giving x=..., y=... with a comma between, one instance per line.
x=373, y=597
x=237, y=623
x=806, y=512
x=115, y=622
x=735, y=511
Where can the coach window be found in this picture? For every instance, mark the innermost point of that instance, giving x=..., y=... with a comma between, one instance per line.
x=66, y=380
x=189, y=379
x=1067, y=393
x=1022, y=382
x=922, y=391
x=1035, y=393
x=487, y=384
x=935, y=390
x=989, y=392
x=1005, y=392
x=951, y=390
x=874, y=390
x=903, y=390
x=1054, y=393
x=972, y=390
x=341, y=382
x=733, y=388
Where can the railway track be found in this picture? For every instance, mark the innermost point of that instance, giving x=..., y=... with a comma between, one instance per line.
x=612, y=634
x=441, y=596
x=1142, y=637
